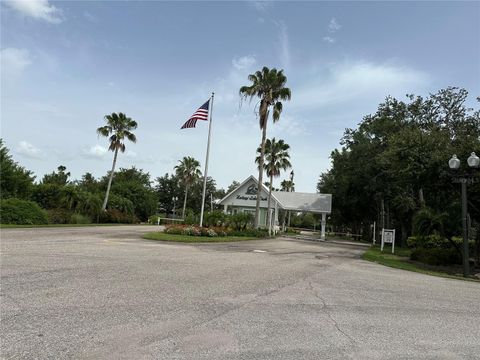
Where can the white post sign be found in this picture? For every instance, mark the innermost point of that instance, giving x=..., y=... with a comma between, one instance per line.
x=388, y=237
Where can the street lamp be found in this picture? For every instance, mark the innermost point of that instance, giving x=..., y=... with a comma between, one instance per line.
x=174, y=199
x=290, y=189
x=454, y=164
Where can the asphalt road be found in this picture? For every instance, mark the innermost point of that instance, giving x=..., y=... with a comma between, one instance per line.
x=104, y=293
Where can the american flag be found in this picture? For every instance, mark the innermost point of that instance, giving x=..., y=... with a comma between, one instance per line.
x=200, y=114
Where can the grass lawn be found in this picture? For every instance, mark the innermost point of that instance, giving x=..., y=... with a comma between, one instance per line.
x=401, y=260
x=195, y=239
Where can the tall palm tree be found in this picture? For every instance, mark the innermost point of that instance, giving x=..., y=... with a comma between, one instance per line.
x=188, y=171
x=277, y=159
x=269, y=86
x=119, y=127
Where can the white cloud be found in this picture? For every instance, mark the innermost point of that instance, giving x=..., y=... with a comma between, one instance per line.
x=88, y=16
x=244, y=62
x=284, y=44
x=333, y=26
x=95, y=152
x=14, y=61
x=28, y=150
x=357, y=82
x=131, y=154
x=328, y=39
x=37, y=9
x=261, y=6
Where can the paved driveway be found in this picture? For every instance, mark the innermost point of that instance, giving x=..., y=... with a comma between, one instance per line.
x=104, y=293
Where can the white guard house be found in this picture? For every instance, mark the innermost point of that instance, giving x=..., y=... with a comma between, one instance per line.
x=243, y=200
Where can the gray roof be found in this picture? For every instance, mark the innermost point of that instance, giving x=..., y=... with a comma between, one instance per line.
x=297, y=201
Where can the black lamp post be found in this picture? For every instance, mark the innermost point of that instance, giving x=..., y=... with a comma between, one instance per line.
x=454, y=164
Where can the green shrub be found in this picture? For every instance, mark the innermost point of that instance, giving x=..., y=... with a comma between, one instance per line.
x=260, y=233
x=215, y=218
x=58, y=216
x=117, y=216
x=428, y=242
x=21, y=212
x=191, y=218
x=80, y=219
x=436, y=256
x=240, y=221
x=153, y=219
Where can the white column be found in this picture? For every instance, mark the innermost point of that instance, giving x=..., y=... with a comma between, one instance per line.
x=225, y=208
x=324, y=225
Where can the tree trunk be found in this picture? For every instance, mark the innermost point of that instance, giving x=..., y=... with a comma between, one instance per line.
x=382, y=213
x=185, y=202
x=269, y=221
x=421, y=198
x=260, y=175
x=104, y=206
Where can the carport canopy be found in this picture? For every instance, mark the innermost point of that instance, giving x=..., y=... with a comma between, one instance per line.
x=304, y=202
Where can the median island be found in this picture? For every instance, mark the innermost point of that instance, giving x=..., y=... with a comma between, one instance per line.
x=197, y=234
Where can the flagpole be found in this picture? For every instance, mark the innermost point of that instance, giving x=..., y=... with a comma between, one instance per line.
x=205, y=173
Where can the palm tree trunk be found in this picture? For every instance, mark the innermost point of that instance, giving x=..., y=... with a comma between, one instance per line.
x=185, y=202
x=269, y=221
x=104, y=206
x=260, y=175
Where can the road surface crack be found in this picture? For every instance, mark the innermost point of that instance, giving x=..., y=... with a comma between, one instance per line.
x=324, y=308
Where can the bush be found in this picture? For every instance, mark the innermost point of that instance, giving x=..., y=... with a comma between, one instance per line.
x=260, y=233
x=58, y=216
x=21, y=212
x=428, y=242
x=436, y=256
x=240, y=221
x=191, y=218
x=215, y=218
x=117, y=216
x=153, y=219
x=80, y=219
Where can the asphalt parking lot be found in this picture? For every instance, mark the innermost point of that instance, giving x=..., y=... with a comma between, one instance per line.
x=104, y=293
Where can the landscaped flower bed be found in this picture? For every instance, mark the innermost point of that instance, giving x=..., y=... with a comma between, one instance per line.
x=193, y=230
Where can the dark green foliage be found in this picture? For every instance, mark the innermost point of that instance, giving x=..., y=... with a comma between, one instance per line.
x=117, y=216
x=426, y=222
x=153, y=219
x=240, y=221
x=80, y=219
x=59, y=216
x=215, y=218
x=15, y=181
x=48, y=196
x=21, y=212
x=260, y=233
x=396, y=162
x=131, y=192
x=436, y=256
x=191, y=218
x=57, y=178
x=304, y=220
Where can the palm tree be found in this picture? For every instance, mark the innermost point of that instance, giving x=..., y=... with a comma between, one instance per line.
x=269, y=86
x=188, y=172
x=118, y=127
x=276, y=160
x=287, y=186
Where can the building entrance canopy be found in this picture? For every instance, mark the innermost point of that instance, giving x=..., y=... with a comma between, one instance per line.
x=243, y=199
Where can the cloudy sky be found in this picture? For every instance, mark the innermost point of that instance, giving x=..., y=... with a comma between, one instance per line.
x=64, y=65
